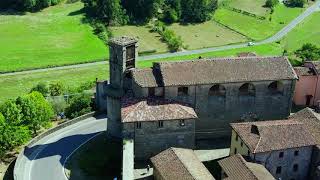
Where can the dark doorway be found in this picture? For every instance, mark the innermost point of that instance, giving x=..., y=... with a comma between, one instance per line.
x=309, y=97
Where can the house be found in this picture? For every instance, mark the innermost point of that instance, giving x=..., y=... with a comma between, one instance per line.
x=236, y=167
x=157, y=124
x=179, y=163
x=307, y=91
x=283, y=147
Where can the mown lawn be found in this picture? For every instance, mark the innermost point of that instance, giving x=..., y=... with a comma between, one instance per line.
x=306, y=32
x=54, y=36
x=148, y=41
x=208, y=34
x=255, y=28
x=13, y=86
x=252, y=6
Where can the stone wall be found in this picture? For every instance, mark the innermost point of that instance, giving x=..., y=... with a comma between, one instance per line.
x=315, y=166
x=151, y=140
x=216, y=112
x=114, y=116
x=271, y=161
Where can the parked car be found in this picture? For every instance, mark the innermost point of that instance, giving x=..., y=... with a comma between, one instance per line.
x=250, y=43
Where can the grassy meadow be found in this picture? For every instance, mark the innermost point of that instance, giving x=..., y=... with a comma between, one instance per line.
x=52, y=37
x=207, y=34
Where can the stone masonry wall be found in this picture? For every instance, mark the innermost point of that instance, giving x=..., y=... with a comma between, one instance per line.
x=271, y=161
x=151, y=140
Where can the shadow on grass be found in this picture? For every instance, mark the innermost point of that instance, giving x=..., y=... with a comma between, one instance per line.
x=99, y=159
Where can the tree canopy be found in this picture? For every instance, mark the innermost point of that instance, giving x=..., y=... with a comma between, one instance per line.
x=308, y=52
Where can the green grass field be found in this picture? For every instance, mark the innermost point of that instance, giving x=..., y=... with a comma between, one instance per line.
x=51, y=37
x=307, y=31
x=148, y=41
x=13, y=86
x=252, y=6
x=255, y=28
x=208, y=34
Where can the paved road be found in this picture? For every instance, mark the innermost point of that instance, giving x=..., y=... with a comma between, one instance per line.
x=46, y=162
x=274, y=38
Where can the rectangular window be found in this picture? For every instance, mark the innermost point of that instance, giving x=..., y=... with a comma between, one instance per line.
x=281, y=155
x=182, y=123
x=295, y=167
x=248, y=153
x=235, y=151
x=160, y=124
x=278, y=170
x=130, y=57
x=183, y=91
x=237, y=137
x=138, y=125
x=241, y=144
x=296, y=153
x=151, y=92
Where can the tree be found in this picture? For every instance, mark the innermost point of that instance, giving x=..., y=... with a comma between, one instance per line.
x=271, y=3
x=79, y=105
x=36, y=111
x=56, y=89
x=141, y=10
x=11, y=113
x=111, y=12
x=295, y=3
x=197, y=10
x=308, y=52
x=58, y=104
x=41, y=88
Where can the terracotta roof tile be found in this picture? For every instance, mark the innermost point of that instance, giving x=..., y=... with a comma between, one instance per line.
x=311, y=120
x=304, y=71
x=264, y=136
x=237, y=168
x=217, y=70
x=155, y=109
x=178, y=163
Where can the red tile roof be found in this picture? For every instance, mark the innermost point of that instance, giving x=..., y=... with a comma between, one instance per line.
x=264, y=136
x=155, y=109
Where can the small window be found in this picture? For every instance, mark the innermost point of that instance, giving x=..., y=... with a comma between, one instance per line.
x=183, y=91
x=241, y=144
x=151, y=92
x=278, y=170
x=281, y=155
x=237, y=137
x=235, y=151
x=295, y=167
x=160, y=124
x=182, y=123
x=138, y=125
x=296, y=153
x=248, y=153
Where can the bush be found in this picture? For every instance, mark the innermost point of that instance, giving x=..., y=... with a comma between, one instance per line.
x=42, y=88
x=56, y=89
x=58, y=104
x=295, y=3
x=79, y=105
x=271, y=3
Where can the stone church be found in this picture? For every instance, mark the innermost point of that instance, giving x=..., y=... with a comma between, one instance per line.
x=179, y=102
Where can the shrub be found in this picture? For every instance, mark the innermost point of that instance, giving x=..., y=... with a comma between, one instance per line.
x=42, y=88
x=271, y=3
x=56, y=89
x=79, y=105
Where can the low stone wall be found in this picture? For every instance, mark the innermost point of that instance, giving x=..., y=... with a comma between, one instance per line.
x=18, y=171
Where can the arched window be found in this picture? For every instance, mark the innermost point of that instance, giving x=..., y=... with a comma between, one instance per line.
x=247, y=89
x=217, y=90
x=275, y=87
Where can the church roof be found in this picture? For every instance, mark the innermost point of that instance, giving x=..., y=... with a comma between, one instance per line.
x=216, y=70
x=264, y=136
x=237, y=168
x=178, y=163
x=155, y=109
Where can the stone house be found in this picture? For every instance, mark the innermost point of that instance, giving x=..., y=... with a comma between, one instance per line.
x=179, y=163
x=307, y=91
x=157, y=124
x=236, y=167
x=283, y=147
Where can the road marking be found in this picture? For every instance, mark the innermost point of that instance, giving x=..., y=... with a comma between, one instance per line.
x=65, y=161
x=60, y=136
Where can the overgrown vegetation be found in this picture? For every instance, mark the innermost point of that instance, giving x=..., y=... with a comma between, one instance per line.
x=308, y=52
x=295, y=3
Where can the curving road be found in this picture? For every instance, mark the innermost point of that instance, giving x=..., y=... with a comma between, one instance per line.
x=50, y=153
x=315, y=7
